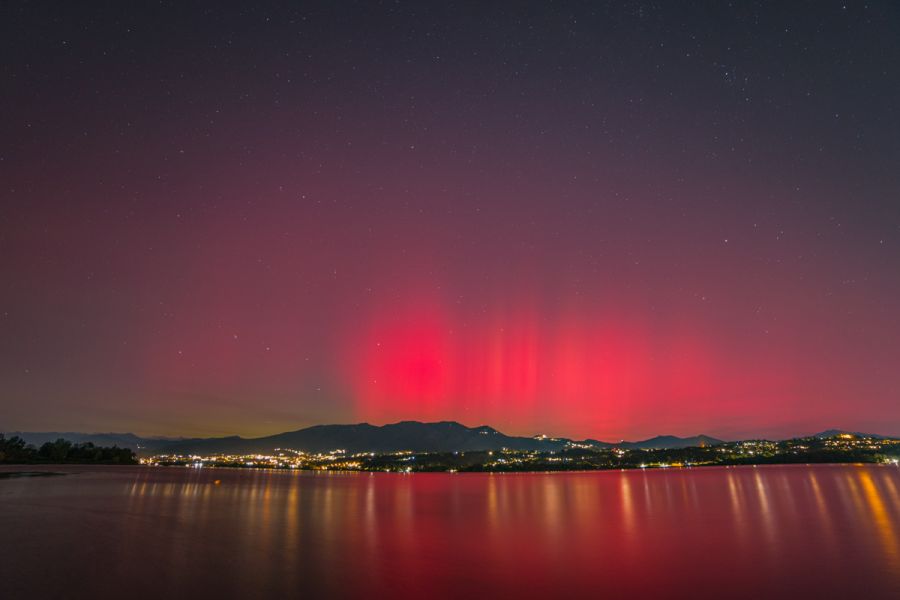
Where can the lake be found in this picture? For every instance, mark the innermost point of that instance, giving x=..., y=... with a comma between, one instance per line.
x=744, y=532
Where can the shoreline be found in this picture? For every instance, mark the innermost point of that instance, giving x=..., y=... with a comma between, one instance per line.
x=45, y=470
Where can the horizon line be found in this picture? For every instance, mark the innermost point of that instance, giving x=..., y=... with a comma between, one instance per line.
x=429, y=422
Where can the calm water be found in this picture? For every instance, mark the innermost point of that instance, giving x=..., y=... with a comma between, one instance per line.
x=786, y=532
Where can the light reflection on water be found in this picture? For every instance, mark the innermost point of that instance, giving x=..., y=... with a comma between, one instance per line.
x=778, y=531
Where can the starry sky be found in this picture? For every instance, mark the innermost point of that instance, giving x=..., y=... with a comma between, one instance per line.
x=590, y=219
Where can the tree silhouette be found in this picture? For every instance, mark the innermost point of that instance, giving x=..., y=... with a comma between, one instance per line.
x=14, y=450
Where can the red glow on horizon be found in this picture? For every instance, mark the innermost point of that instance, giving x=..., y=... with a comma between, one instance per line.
x=576, y=373
x=405, y=365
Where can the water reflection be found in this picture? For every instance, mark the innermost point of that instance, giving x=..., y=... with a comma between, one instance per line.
x=881, y=519
x=777, y=531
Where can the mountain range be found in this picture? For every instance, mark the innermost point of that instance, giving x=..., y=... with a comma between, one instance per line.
x=443, y=436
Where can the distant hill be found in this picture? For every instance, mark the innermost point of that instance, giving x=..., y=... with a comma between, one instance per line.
x=443, y=436
x=671, y=441
x=835, y=432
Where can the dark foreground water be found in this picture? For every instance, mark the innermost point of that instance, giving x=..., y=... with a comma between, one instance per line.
x=140, y=532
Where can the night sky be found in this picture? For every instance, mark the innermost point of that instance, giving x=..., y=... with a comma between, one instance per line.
x=607, y=220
